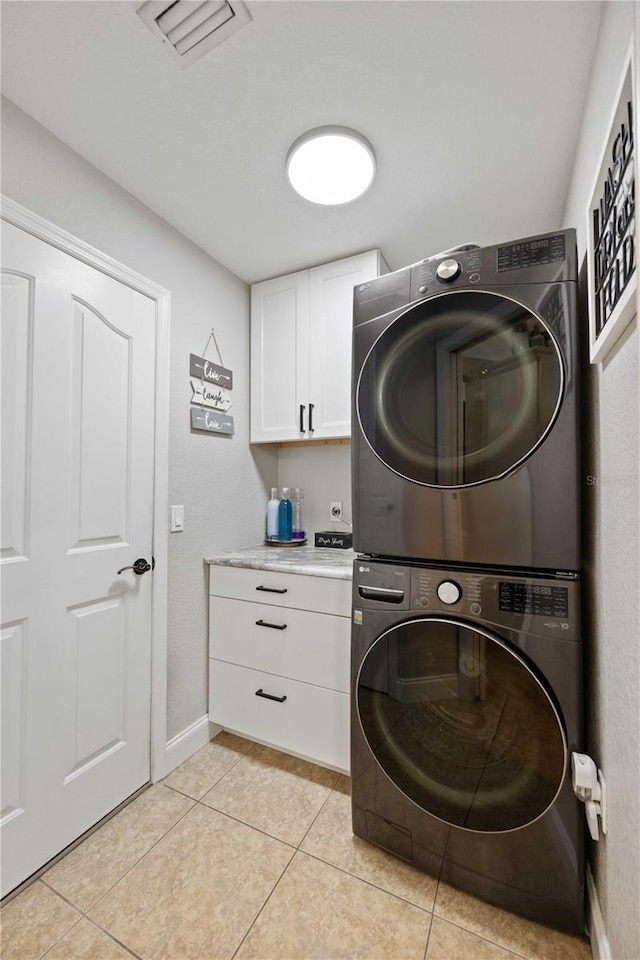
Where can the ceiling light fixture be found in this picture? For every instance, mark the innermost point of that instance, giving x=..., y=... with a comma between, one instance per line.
x=331, y=165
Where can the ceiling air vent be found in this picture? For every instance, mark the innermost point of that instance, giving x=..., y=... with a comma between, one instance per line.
x=188, y=28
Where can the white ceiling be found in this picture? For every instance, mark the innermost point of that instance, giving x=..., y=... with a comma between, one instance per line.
x=473, y=109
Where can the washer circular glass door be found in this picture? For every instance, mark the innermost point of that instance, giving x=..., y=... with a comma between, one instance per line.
x=461, y=725
x=460, y=389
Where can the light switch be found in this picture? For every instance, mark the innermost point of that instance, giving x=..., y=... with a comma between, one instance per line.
x=177, y=519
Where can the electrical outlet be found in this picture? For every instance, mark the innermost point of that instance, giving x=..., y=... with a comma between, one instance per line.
x=335, y=509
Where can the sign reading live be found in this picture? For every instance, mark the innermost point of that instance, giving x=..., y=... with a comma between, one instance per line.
x=611, y=217
x=205, y=369
x=211, y=420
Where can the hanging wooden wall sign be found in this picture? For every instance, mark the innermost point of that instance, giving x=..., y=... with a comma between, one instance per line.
x=208, y=395
x=211, y=421
x=205, y=369
x=210, y=383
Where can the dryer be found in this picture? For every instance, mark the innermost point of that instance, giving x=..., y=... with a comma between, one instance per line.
x=466, y=706
x=465, y=418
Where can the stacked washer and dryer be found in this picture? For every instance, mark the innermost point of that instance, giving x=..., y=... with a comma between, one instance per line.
x=466, y=641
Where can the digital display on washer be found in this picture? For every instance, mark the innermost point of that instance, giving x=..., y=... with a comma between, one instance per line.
x=533, y=253
x=534, y=598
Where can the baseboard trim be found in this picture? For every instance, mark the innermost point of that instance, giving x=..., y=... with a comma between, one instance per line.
x=185, y=744
x=597, y=931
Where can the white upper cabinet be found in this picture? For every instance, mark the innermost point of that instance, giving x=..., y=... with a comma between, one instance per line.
x=301, y=328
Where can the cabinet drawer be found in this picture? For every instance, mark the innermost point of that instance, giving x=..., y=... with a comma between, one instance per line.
x=322, y=594
x=313, y=647
x=312, y=721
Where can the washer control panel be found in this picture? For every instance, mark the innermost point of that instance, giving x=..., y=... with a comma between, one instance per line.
x=536, y=605
x=437, y=590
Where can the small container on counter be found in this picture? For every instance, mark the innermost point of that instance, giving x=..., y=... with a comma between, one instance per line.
x=296, y=501
x=272, y=515
x=285, y=517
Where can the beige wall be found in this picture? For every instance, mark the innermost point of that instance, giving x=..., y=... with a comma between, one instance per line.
x=223, y=483
x=611, y=553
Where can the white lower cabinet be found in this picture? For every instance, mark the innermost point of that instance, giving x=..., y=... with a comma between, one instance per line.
x=302, y=718
x=279, y=663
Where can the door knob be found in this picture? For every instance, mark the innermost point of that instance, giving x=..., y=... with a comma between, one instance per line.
x=139, y=566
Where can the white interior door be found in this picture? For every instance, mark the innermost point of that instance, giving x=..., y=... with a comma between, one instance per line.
x=78, y=356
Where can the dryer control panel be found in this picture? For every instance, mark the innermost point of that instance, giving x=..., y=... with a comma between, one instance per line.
x=544, y=259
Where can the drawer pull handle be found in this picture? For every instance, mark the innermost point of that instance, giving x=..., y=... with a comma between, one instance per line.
x=272, y=589
x=272, y=626
x=269, y=696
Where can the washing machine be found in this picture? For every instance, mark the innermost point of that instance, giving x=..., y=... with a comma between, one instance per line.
x=466, y=706
x=465, y=419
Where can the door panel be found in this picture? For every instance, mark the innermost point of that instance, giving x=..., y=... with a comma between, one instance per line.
x=13, y=637
x=78, y=429
x=461, y=724
x=17, y=338
x=460, y=389
x=97, y=683
x=100, y=431
x=331, y=325
x=279, y=357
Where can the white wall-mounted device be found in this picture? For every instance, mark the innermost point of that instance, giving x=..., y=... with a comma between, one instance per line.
x=590, y=788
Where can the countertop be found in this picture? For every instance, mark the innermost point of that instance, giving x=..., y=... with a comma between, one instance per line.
x=312, y=561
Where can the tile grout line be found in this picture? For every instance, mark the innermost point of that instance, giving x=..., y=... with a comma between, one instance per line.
x=369, y=883
x=114, y=938
x=83, y=916
x=250, y=826
x=215, y=782
x=275, y=886
x=56, y=942
x=317, y=857
x=426, y=946
x=480, y=936
x=255, y=919
x=62, y=897
x=322, y=806
x=127, y=872
x=354, y=875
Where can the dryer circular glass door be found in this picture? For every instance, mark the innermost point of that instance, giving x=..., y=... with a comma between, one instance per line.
x=461, y=725
x=460, y=389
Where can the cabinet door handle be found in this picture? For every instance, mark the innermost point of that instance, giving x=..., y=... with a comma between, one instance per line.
x=302, y=409
x=269, y=696
x=311, y=406
x=272, y=626
x=272, y=589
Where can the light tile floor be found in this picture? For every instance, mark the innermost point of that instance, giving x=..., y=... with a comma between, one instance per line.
x=244, y=852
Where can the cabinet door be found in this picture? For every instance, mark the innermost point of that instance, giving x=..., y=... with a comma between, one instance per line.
x=279, y=357
x=331, y=324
